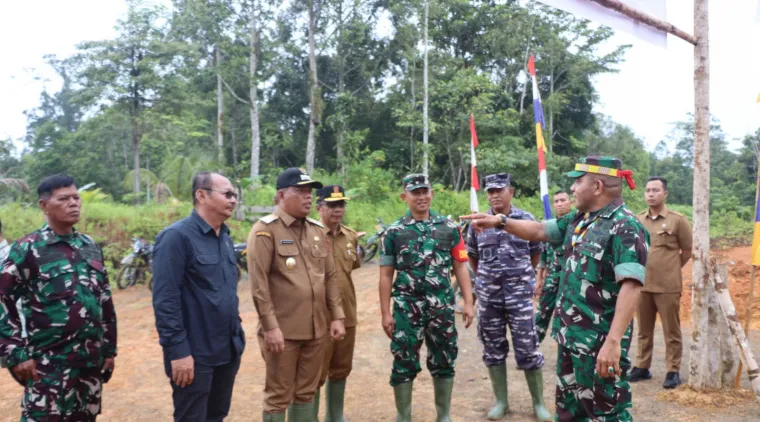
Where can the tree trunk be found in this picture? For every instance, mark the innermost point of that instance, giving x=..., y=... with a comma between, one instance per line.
x=341, y=89
x=425, y=127
x=550, y=124
x=701, y=351
x=313, y=87
x=233, y=134
x=219, y=108
x=414, y=106
x=252, y=89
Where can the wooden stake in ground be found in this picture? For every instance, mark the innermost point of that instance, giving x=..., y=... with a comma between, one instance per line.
x=747, y=321
x=729, y=311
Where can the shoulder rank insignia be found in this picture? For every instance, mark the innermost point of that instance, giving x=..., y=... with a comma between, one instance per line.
x=269, y=218
x=315, y=222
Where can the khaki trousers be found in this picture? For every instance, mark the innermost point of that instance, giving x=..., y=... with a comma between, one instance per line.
x=292, y=375
x=339, y=357
x=668, y=306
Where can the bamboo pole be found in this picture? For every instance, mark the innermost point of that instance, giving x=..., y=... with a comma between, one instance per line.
x=729, y=311
x=748, y=322
x=642, y=17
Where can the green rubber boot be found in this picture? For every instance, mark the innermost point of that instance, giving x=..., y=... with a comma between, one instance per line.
x=274, y=417
x=301, y=412
x=335, y=391
x=403, y=394
x=498, y=375
x=442, y=388
x=535, y=380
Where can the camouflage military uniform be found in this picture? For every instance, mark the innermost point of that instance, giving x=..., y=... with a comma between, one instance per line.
x=420, y=252
x=70, y=320
x=552, y=259
x=603, y=248
x=504, y=286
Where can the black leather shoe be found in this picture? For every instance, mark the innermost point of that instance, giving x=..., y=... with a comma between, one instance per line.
x=639, y=374
x=672, y=380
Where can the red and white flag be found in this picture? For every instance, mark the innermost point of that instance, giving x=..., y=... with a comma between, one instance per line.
x=474, y=180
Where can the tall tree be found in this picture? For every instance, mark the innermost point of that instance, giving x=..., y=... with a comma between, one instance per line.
x=315, y=112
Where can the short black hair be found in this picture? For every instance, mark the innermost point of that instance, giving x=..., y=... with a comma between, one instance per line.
x=661, y=179
x=561, y=191
x=1, y=226
x=201, y=181
x=52, y=183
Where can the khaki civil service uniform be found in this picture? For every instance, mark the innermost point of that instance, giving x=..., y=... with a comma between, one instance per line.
x=295, y=288
x=670, y=233
x=339, y=355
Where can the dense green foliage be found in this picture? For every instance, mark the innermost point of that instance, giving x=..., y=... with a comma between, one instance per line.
x=145, y=104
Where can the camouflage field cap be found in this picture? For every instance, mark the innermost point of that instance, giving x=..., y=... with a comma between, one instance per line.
x=606, y=165
x=498, y=181
x=415, y=181
x=332, y=193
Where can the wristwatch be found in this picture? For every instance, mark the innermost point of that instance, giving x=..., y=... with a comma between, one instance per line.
x=503, y=222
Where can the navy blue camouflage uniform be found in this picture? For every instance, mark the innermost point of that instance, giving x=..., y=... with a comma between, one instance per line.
x=505, y=285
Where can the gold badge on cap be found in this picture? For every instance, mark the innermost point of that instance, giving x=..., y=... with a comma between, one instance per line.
x=290, y=263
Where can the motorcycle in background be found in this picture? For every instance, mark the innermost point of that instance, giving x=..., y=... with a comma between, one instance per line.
x=373, y=243
x=137, y=266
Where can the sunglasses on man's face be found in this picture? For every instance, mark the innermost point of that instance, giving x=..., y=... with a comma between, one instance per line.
x=227, y=193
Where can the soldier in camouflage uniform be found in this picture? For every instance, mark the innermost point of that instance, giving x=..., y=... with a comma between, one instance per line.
x=421, y=248
x=606, y=251
x=504, y=286
x=550, y=271
x=71, y=323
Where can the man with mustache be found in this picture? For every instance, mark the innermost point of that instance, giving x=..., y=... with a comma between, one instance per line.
x=504, y=265
x=606, y=251
x=296, y=293
x=195, y=301
x=331, y=204
x=420, y=248
x=70, y=346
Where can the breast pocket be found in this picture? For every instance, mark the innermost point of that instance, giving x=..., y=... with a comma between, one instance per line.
x=287, y=255
x=207, y=267
x=591, y=261
x=520, y=248
x=488, y=249
x=666, y=239
x=57, y=276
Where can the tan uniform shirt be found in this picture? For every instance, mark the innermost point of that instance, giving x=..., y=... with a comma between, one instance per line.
x=344, y=244
x=293, y=276
x=670, y=233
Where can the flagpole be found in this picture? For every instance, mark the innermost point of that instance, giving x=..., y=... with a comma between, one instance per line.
x=538, y=113
x=754, y=260
x=474, y=180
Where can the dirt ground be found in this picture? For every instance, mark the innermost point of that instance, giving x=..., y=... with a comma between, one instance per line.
x=139, y=390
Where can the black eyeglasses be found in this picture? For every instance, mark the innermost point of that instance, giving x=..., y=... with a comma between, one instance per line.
x=227, y=193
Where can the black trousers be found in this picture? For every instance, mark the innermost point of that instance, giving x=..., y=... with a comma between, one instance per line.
x=208, y=398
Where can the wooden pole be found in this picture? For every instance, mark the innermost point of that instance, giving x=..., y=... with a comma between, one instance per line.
x=747, y=321
x=701, y=350
x=729, y=311
x=647, y=20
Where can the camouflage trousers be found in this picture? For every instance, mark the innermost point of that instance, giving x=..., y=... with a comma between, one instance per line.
x=546, y=304
x=417, y=319
x=502, y=304
x=582, y=395
x=62, y=395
